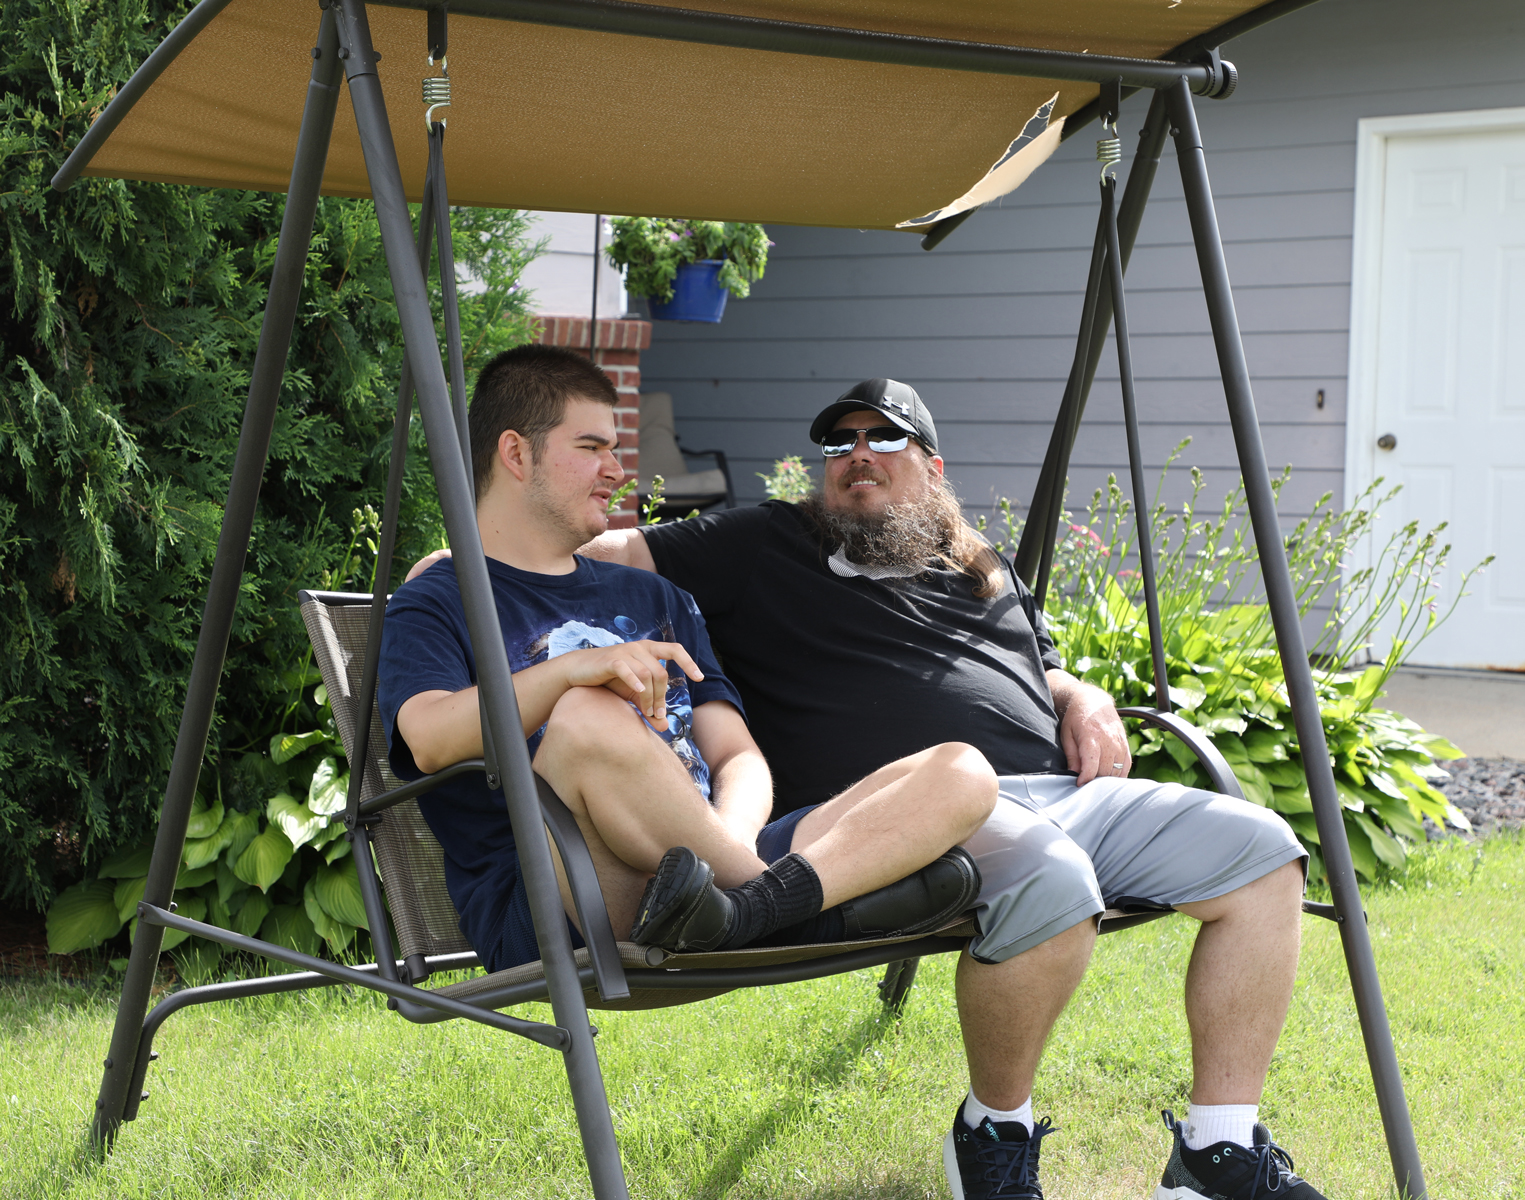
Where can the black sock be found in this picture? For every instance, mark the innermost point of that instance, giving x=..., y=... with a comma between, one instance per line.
x=787, y=893
x=828, y=925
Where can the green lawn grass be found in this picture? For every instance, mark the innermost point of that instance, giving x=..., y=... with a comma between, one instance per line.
x=799, y=1091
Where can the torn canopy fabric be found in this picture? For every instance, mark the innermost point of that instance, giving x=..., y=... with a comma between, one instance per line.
x=549, y=117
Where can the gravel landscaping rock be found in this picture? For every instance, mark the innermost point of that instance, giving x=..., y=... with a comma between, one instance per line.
x=1491, y=791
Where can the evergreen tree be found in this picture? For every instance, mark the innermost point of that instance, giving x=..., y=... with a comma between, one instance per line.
x=129, y=314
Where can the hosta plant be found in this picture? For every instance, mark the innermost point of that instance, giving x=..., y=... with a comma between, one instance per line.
x=1225, y=673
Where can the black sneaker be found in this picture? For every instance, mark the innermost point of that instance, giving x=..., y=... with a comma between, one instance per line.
x=993, y=1161
x=1229, y=1171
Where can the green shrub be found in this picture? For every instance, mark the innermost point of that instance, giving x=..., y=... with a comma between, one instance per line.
x=1225, y=672
x=129, y=315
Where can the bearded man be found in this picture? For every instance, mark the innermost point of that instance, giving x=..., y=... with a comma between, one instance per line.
x=871, y=620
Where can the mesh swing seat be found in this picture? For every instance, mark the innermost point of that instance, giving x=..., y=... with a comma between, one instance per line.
x=412, y=866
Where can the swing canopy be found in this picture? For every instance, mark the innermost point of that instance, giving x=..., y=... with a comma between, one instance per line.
x=746, y=114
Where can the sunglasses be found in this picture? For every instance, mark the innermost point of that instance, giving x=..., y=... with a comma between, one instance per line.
x=882, y=439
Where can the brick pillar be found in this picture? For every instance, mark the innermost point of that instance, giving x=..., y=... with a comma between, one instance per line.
x=619, y=353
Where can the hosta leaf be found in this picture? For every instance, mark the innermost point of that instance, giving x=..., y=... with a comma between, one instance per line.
x=1231, y=746
x=204, y=821
x=228, y=884
x=251, y=915
x=330, y=832
x=243, y=828
x=264, y=859
x=126, y=895
x=1402, y=821
x=1256, y=789
x=205, y=850
x=1351, y=799
x=129, y=863
x=1187, y=693
x=298, y=822
x=286, y=746
x=82, y=917
x=1455, y=816
x=287, y=925
x=1266, y=746
x=1287, y=800
x=1304, y=826
x=1368, y=684
x=217, y=909
x=338, y=891
x=336, y=850
x=328, y=791
x=1360, y=848
x=1180, y=752
x=194, y=879
x=1386, y=847
x=1440, y=747
x=336, y=933
x=1385, y=785
x=1283, y=774
x=1224, y=720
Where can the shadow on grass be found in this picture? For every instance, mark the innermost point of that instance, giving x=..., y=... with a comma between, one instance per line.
x=813, y=1075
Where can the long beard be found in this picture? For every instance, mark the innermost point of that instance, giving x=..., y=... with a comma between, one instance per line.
x=914, y=534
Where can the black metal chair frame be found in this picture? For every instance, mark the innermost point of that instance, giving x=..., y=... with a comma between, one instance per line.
x=344, y=48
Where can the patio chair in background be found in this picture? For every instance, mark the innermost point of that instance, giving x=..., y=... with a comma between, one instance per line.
x=662, y=454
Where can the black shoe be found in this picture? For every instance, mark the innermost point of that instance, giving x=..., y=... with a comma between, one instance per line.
x=682, y=909
x=918, y=903
x=994, y=1161
x=1229, y=1171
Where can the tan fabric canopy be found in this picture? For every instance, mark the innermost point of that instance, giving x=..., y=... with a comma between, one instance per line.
x=566, y=119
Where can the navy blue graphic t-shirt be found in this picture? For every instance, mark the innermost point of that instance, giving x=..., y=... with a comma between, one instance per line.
x=425, y=647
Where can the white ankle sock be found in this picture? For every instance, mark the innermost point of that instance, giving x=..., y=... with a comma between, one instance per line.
x=1208, y=1124
x=975, y=1111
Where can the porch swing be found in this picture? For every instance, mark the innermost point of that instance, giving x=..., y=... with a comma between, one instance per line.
x=204, y=67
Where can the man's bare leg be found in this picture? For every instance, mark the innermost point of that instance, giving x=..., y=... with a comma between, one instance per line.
x=1007, y=1009
x=896, y=820
x=1239, y=984
x=632, y=798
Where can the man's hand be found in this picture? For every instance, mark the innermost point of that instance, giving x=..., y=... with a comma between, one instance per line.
x=1090, y=731
x=425, y=563
x=634, y=671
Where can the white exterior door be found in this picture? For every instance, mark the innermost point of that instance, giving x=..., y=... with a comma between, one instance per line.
x=1438, y=359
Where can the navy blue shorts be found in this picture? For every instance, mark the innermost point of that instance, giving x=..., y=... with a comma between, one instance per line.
x=774, y=840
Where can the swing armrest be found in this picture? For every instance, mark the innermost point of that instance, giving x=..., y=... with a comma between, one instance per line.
x=1212, y=760
x=582, y=881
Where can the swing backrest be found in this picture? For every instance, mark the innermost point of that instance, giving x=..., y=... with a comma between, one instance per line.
x=411, y=862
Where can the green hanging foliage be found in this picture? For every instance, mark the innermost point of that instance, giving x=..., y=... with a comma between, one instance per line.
x=129, y=316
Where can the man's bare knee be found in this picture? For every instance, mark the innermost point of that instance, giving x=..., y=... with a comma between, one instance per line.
x=593, y=724
x=967, y=779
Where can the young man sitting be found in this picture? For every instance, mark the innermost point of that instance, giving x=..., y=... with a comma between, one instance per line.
x=630, y=720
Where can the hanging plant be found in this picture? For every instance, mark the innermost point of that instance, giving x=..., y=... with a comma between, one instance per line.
x=651, y=249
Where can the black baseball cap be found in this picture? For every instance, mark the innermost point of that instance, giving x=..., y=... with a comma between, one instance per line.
x=898, y=402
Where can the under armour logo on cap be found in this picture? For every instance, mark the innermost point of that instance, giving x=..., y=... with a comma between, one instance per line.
x=897, y=401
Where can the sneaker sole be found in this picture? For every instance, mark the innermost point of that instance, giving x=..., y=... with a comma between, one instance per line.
x=950, y=1166
x=1178, y=1193
x=670, y=897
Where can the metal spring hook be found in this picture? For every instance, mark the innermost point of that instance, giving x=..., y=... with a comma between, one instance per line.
x=1109, y=150
x=437, y=92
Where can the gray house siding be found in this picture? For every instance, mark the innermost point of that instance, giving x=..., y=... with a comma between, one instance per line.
x=984, y=326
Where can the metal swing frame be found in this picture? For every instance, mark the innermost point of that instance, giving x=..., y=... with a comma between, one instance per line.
x=344, y=47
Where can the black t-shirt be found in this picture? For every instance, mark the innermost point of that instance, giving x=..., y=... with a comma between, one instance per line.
x=842, y=675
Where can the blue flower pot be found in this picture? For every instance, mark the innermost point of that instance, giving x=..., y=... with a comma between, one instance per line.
x=697, y=294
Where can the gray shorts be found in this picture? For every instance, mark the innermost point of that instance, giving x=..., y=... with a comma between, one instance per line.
x=1053, y=854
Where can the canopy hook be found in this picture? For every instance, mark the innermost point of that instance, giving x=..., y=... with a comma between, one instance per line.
x=437, y=92
x=1109, y=150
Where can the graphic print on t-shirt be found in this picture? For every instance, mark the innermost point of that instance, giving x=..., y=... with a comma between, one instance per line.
x=579, y=635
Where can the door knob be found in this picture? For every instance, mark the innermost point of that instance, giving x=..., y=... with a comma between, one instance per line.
x=1387, y=441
